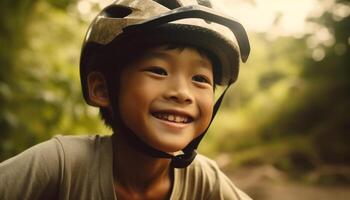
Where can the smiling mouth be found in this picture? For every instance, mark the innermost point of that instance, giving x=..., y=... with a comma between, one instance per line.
x=173, y=117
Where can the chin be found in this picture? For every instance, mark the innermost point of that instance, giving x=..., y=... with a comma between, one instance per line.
x=170, y=147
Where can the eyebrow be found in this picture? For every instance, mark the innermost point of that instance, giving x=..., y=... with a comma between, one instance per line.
x=156, y=54
x=163, y=55
x=204, y=64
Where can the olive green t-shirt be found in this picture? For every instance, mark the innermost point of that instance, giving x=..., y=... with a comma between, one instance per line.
x=80, y=167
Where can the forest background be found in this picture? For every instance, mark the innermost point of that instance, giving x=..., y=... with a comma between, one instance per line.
x=289, y=110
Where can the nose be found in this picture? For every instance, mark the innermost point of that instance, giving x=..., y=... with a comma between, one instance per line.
x=179, y=91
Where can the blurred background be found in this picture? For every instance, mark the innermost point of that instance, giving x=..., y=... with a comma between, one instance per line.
x=283, y=131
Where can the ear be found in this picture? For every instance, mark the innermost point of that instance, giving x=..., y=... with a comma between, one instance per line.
x=97, y=87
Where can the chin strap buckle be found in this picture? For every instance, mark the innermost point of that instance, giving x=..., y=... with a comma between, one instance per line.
x=183, y=160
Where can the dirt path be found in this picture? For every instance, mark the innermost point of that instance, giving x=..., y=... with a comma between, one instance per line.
x=267, y=183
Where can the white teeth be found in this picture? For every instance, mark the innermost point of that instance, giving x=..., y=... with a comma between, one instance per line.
x=172, y=118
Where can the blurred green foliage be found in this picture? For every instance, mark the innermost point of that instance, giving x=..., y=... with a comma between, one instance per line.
x=290, y=109
x=287, y=108
x=39, y=78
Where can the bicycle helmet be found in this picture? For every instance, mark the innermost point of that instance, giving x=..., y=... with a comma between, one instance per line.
x=126, y=24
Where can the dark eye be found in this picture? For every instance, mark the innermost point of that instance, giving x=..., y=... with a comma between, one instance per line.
x=201, y=79
x=157, y=70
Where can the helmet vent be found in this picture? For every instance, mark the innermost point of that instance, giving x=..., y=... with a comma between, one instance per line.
x=169, y=4
x=206, y=3
x=117, y=11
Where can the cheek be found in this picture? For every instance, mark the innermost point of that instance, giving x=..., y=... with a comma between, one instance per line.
x=136, y=96
x=206, y=104
x=131, y=101
x=127, y=98
x=131, y=107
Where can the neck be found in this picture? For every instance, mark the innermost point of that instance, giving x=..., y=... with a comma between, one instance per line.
x=135, y=171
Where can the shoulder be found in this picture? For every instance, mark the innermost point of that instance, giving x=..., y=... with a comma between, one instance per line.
x=36, y=172
x=63, y=164
x=79, y=143
x=204, y=168
x=57, y=149
x=202, y=161
x=38, y=155
x=82, y=149
x=211, y=181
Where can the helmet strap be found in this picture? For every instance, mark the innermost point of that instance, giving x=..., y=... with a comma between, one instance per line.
x=189, y=152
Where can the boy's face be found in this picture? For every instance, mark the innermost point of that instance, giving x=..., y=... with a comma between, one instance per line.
x=166, y=97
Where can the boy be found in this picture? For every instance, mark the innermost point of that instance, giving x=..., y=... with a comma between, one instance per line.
x=153, y=78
